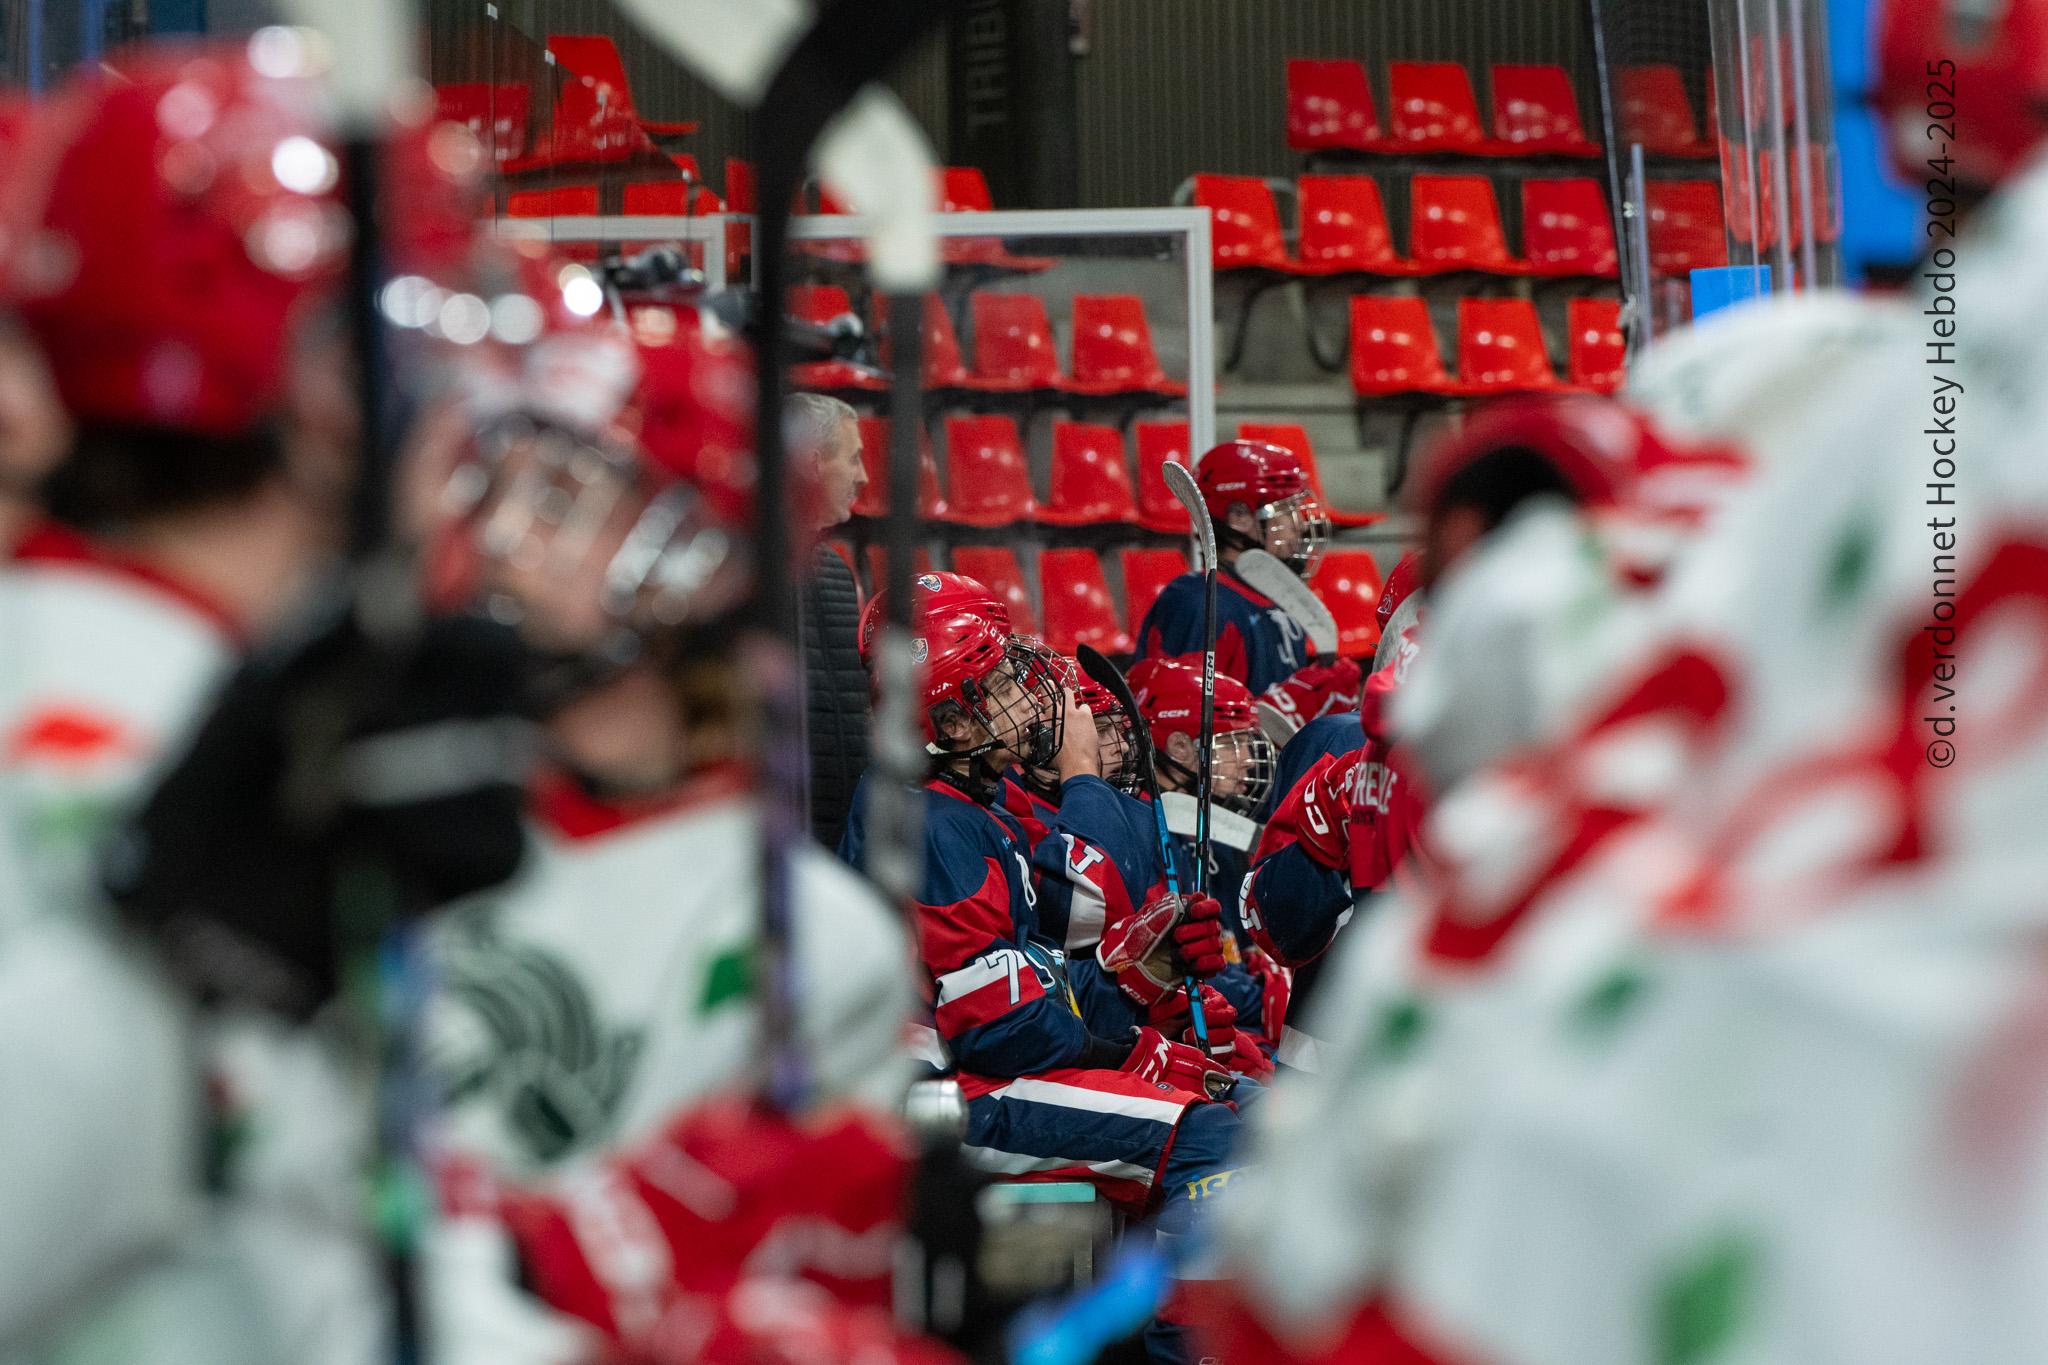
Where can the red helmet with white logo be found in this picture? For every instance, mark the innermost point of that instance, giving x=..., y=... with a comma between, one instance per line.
x=937, y=592
x=1989, y=61
x=1270, y=482
x=1169, y=697
x=185, y=210
x=970, y=664
x=1404, y=579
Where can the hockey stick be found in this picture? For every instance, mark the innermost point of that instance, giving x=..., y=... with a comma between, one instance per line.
x=1182, y=485
x=1296, y=598
x=1111, y=679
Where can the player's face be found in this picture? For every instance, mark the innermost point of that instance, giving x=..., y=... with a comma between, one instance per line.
x=1294, y=532
x=1112, y=741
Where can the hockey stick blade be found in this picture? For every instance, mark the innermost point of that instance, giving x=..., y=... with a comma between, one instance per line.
x=1293, y=596
x=1181, y=484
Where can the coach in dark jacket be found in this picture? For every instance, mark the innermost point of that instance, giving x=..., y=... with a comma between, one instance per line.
x=825, y=431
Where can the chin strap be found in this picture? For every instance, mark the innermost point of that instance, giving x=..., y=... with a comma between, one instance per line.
x=977, y=781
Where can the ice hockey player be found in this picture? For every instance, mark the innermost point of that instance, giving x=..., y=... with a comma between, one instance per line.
x=1148, y=1119
x=600, y=1008
x=180, y=228
x=1258, y=497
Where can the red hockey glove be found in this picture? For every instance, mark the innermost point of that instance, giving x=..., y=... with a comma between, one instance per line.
x=1276, y=991
x=1134, y=951
x=1158, y=1059
x=1198, y=938
x=1170, y=1017
x=1316, y=690
x=1323, y=815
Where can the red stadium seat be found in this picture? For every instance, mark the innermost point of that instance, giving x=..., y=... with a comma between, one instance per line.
x=1598, y=351
x=874, y=457
x=675, y=198
x=1146, y=574
x=562, y=201
x=1454, y=224
x=595, y=55
x=819, y=304
x=495, y=114
x=1500, y=348
x=1113, y=350
x=1344, y=228
x=1245, y=229
x=1158, y=442
x=1394, y=349
x=1535, y=112
x=1330, y=107
x=943, y=368
x=1294, y=438
x=1656, y=113
x=986, y=471
x=1013, y=345
x=1090, y=486
x=998, y=568
x=1348, y=581
x=878, y=566
x=1078, y=607
x=964, y=189
x=1431, y=108
x=739, y=185
x=1566, y=229
x=1685, y=228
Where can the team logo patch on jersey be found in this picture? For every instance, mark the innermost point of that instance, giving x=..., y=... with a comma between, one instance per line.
x=523, y=1037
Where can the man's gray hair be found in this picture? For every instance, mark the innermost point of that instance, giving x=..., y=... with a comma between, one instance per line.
x=811, y=420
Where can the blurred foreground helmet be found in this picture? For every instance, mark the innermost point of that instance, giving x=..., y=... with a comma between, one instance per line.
x=1270, y=482
x=1986, y=59
x=185, y=209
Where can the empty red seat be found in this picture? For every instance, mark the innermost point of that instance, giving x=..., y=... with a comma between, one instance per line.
x=495, y=114
x=562, y=201
x=997, y=567
x=1536, y=112
x=1500, y=348
x=1566, y=229
x=1077, y=606
x=1394, y=349
x=1344, y=228
x=986, y=472
x=1330, y=107
x=943, y=368
x=1685, y=227
x=1598, y=353
x=675, y=198
x=1113, y=350
x=739, y=184
x=1431, y=108
x=1245, y=229
x=1348, y=581
x=1655, y=111
x=1146, y=573
x=1013, y=345
x=1158, y=442
x=964, y=189
x=819, y=304
x=878, y=566
x=1291, y=437
x=596, y=56
x=874, y=458
x=1090, y=485
x=1454, y=224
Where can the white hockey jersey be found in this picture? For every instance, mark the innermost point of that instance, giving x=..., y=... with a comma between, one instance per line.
x=614, y=982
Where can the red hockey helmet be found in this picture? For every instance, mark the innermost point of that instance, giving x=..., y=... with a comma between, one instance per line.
x=185, y=210
x=1403, y=581
x=937, y=592
x=1269, y=482
x=1169, y=697
x=1005, y=684
x=1988, y=60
